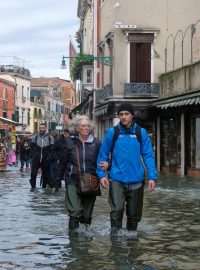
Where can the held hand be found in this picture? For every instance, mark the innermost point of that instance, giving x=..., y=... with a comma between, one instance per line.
x=104, y=182
x=151, y=185
x=103, y=165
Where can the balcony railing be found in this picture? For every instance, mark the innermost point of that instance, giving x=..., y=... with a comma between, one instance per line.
x=38, y=115
x=145, y=90
x=131, y=90
x=104, y=93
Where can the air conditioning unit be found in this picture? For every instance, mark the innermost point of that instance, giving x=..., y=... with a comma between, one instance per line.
x=24, y=99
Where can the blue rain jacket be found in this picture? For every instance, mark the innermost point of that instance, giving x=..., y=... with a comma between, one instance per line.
x=127, y=166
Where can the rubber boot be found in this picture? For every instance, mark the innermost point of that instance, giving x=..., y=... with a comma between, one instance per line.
x=32, y=183
x=115, y=226
x=131, y=225
x=73, y=226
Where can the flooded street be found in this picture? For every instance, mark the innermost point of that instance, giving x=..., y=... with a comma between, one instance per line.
x=34, y=235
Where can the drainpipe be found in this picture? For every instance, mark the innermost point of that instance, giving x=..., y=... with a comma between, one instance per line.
x=158, y=144
x=182, y=144
x=95, y=5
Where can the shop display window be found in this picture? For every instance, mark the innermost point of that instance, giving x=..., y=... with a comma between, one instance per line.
x=195, y=142
x=171, y=142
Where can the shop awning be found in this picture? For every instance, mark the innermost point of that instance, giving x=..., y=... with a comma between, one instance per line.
x=8, y=121
x=178, y=101
x=101, y=110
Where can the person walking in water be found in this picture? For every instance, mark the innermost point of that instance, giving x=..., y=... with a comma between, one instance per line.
x=127, y=144
x=41, y=151
x=24, y=150
x=79, y=156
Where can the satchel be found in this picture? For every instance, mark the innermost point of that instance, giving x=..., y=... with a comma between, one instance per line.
x=88, y=184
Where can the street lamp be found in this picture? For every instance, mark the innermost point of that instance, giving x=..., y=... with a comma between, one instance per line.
x=63, y=64
x=105, y=60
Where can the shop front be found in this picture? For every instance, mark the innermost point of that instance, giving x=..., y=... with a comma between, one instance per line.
x=179, y=149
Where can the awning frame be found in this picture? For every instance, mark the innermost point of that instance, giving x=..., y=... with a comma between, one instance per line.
x=178, y=101
x=9, y=121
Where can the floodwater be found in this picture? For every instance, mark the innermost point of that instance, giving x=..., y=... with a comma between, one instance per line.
x=34, y=235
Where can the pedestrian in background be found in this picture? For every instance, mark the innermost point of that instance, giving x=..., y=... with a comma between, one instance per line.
x=59, y=145
x=40, y=154
x=24, y=151
x=17, y=152
x=126, y=172
x=85, y=147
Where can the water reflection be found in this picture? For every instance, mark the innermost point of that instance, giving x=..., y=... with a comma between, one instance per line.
x=33, y=230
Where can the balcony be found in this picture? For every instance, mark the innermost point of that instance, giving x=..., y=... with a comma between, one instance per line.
x=38, y=115
x=104, y=93
x=141, y=90
x=131, y=90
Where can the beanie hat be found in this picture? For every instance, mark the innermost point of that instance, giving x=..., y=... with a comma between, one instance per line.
x=125, y=107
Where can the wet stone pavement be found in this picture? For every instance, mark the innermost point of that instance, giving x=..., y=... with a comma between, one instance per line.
x=34, y=235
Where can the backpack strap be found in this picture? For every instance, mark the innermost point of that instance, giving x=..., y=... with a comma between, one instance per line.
x=115, y=137
x=138, y=134
x=117, y=132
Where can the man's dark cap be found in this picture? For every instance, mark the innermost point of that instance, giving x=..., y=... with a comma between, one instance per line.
x=126, y=107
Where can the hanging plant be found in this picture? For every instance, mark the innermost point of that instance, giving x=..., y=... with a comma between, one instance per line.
x=78, y=62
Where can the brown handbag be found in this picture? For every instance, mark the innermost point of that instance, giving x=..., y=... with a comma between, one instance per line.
x=88, y=184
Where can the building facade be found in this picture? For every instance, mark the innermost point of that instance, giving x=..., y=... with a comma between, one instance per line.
x=58, y=98
x=7, y=104
x=178, y=121
x=21, y=78
x=134, y=42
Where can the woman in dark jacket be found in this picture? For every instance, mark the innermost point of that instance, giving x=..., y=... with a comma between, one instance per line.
x=59, y=145
x=79, y=207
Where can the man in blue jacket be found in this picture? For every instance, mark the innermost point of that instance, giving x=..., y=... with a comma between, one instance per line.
x=129, y=154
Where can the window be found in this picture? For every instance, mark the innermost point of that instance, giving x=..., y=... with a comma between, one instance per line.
x=4, y=93
x=171, y=142
x=22, y=91
x=49, y=106
x=35, y=126
x=28, y=117
x=62, y=109
x=28, y=92
x=140, y=57
x=17, y=116
x=195, y=142
x=89, y=76
x=140, y=63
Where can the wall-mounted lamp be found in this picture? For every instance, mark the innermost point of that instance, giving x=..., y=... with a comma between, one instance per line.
x=105, y=60
x=63, y=64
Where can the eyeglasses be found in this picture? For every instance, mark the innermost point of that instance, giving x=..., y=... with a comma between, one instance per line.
x=85, y=125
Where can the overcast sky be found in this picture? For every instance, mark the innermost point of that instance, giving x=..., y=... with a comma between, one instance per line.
x=37, y=31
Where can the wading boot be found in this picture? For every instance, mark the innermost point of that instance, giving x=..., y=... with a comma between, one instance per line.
x=131, y=225
x=115, y=227
x=73, y=226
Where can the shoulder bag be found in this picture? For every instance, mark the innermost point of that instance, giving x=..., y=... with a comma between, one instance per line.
x=88, y=184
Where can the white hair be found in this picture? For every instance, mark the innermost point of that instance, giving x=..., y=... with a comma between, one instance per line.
x=75, y=122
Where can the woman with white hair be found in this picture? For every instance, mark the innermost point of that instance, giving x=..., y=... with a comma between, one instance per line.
x=79, y=156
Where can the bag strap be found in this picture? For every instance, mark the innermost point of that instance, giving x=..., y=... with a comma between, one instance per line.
x=78, y=160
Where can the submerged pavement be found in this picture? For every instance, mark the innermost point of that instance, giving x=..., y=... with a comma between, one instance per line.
x=34, y=235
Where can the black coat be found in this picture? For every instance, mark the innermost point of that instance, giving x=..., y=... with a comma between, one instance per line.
x=88, y=152
x=59, y=145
